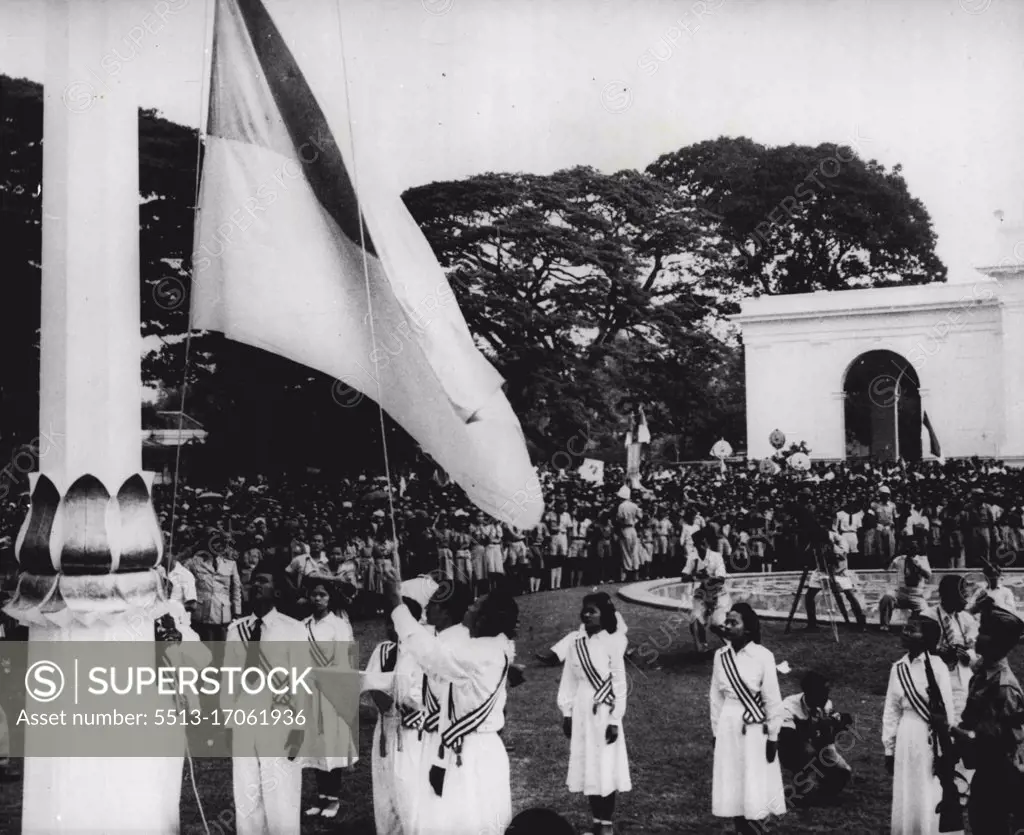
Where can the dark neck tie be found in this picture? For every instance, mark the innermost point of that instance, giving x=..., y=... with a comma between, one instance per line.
x=252, y=655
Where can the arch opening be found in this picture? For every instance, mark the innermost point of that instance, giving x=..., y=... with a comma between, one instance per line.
x=882, y=398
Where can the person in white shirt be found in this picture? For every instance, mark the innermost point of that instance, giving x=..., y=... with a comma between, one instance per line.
x=394, y=684
x=469, y=777
x=576, y=560
x=558, y=652
x=687, y=550
x=266, y=777
x=592, y=699
x=957, y=637
x=711, y=603
x=304, y=564
x=183, y=586
x=913, y=572
x=329, y=638
x=994, y=591
x=746, y=716
x=832, y=560
x=807, y=741
x=906, y=728
x=848, y=523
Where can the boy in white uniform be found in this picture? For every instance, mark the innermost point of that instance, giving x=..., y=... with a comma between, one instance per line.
x=267, y=779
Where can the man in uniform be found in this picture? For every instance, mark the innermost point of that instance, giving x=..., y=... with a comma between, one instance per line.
x=884, y=511
x=627, y=543
x=990, y=734
x=267, y=780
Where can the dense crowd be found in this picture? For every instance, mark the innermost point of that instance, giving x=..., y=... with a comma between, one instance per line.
x=323, y=550
x=958, y=513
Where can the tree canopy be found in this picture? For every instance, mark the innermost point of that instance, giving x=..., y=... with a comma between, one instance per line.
x=592, y=293
x=796, y=219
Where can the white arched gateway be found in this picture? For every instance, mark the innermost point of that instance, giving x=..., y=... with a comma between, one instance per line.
x=853, y=373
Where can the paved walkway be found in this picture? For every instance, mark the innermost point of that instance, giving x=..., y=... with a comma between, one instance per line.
x=771, y=595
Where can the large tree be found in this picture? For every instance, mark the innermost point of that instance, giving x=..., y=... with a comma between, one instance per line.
x=795, y=219
x=591, y=292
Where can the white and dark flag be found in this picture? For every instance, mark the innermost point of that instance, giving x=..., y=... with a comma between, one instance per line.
x=340, y=280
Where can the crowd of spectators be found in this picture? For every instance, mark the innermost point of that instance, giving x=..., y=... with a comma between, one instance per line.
x=960, y=512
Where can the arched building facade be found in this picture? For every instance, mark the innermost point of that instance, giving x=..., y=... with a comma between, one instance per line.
x=854, y=373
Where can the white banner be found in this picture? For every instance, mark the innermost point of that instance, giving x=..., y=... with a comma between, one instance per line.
x=592, y=470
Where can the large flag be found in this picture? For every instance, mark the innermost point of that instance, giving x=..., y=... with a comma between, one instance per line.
x=933, y=439
x=291, y=258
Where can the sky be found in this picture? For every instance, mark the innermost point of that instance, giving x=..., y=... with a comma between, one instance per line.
x=445, y=89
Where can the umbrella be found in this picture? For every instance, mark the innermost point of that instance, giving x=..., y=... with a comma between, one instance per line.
x=376, y=496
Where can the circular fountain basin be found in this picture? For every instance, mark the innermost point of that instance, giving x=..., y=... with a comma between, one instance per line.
x=771, y=595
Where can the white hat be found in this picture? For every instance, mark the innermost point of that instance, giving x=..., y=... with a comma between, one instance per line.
x=884, y=489
x=624, y=492
x=420, y=589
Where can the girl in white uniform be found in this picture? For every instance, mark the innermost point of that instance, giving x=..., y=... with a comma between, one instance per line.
x=592, y=698
x=329, y=637
x=746, y=715
x=394, y=680
x=906, y=734
x=470, y=789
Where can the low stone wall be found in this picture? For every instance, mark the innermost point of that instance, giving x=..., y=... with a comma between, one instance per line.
x=771, y=595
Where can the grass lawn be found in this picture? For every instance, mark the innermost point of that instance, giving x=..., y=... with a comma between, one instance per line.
x=666, y=727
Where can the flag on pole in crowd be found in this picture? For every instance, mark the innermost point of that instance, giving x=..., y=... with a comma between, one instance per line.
x=933, y=439
x=633, y=464
x=290, y=257
x=643, y=434
x=592, y=470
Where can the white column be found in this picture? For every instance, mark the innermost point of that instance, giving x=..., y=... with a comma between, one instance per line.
x=90, y=381
x=89, y=547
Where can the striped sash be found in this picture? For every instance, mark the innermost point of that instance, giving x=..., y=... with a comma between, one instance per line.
x=918, y=702
x=320, y=658
x=602, y=688
x=412, y=718
x=753, y=703
x=278, y=681
x=388, y=656
x=459, y=729
x=433, y=708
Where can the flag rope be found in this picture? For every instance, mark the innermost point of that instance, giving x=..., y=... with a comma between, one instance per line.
x=205, y=81
x=204, y=89
x=369, y=296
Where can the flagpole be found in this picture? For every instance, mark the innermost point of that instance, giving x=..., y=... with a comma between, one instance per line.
x=91, y=535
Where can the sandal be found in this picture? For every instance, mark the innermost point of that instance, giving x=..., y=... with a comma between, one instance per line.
x=332, y=810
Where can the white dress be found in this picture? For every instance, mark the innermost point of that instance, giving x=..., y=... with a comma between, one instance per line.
x=397, y=773
x=916, y=790
x=477, y=794
x=436, y=690
x=595, y=767
x=745, y=784
x=329, y=637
